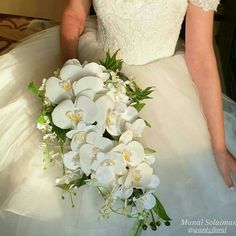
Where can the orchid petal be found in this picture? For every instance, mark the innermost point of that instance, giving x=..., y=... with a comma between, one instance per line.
x=104, y=104
x=92, y=68
x=147, y=202
x=126, y=137
x=137, y=153
x=59, y=114
x=86, y=156
x=104, y=76
x=71, y=134
x=54, y=91
x=91, y=137
x=130, y=114
x=138, y=126
x=150, y=159
x=73, y=61
x=105, y=174
x=145, y=172
x=89, y=82
x=71, y=72
x=88, y=93
x=104, y=144
x=89, y=109
x=70, y=160
x=155, y=181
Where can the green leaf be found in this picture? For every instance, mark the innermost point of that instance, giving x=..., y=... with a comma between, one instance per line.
x=137, y=228
x=147, y=124
x=61, y=133
x=41, y=119
x=149, y=151
x=33, y=88
x=79, y=182
x=47, y=159
x=111, y=62
x=160, y=210
x=74, y=183
x=139, y=106
x=64, y=187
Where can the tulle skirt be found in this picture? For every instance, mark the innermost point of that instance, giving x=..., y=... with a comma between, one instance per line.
x=191, y=186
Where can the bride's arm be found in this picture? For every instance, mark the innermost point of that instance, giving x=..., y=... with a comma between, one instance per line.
x=72, y=26
x=201, y=62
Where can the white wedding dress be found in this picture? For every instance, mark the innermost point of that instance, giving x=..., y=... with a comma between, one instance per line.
x=146, y=32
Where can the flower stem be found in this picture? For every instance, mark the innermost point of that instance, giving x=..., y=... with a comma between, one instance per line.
x=136, y=233
x=153, y=219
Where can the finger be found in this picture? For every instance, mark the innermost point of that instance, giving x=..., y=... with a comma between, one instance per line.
x=233, y=165
x=228, y=180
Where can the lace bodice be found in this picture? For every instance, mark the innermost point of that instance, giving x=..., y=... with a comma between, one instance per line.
x=143, y=30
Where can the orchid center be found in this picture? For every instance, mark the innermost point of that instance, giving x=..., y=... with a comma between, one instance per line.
x=109, y=163
x=75, y=117
x=110, y=119
x=136, y=176
x=126, y=155
x=81, y=136
x=66, y=85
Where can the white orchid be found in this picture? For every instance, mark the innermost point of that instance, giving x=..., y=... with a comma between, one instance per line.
x=94, y=69
x=132, y=151
x=56, y=90
x=78, y=135
x=147, y=202
x=68, y=114
x=73, y=78
x=137, y=127
x=86, y=83
x=116, y=120
x=71, y=160
x=107, y=166
x=123, y=192
x=139, y=176
x=94, y=143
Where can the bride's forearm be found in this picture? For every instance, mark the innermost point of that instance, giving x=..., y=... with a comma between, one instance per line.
x=203, y=69
x=71, y=28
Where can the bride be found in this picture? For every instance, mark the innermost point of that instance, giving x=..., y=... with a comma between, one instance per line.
x=194, y=139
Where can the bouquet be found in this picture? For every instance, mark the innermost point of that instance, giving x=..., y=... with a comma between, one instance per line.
x=91, y=129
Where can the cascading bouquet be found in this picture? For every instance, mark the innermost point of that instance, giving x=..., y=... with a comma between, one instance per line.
x=92, y=129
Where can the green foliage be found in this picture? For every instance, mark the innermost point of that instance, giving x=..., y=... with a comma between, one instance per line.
x=111, y=62
x=41, y=119
x=61, y=133
x=34, y=89
x=74, y=183
x=147, y=124
x=137, y=228
x=47, y=159
x=160, y=210
x=137, y=95
x=139, y=106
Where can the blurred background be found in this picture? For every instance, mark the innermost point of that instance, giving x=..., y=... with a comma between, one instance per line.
x=22, y=18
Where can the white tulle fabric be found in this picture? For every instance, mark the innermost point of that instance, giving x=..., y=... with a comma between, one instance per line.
x=191, y=186
x=143, y=31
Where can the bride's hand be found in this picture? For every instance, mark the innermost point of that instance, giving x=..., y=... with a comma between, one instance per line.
x=226, y=164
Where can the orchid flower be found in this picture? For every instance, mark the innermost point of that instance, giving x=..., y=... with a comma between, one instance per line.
x=68, y=114
x=78, y=135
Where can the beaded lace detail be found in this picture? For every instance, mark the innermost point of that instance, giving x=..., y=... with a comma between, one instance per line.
x=143, y=30
x=206, y=4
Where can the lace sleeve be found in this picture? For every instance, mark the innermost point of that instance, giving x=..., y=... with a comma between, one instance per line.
x=206, y=5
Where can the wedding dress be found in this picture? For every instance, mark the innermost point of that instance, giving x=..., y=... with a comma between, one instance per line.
x=146, y=32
